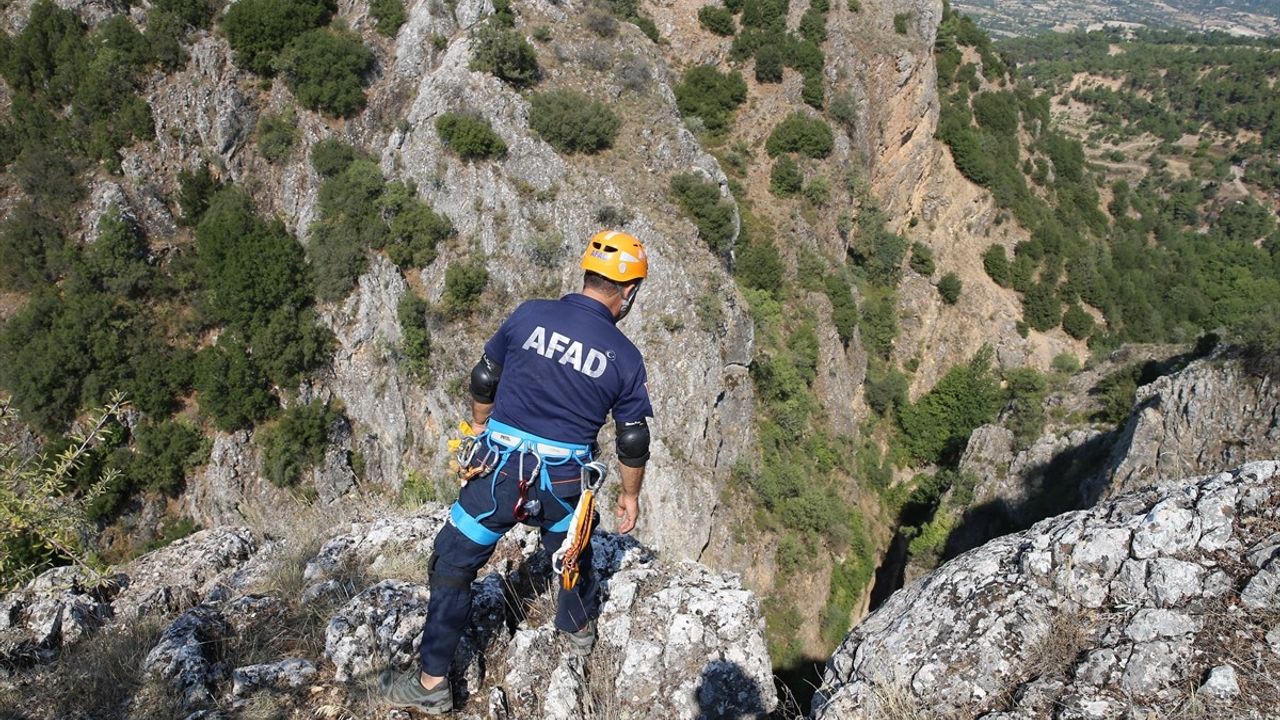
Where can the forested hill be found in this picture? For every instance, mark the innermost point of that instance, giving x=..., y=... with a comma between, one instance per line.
x=1145, y=169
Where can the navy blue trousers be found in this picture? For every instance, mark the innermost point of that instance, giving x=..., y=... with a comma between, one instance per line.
x=456, y=560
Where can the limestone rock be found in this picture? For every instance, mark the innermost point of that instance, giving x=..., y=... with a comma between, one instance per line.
x=377, y=628
x=286, y=674
x=1210, y=416
x=1121, y=601
x=184, y=656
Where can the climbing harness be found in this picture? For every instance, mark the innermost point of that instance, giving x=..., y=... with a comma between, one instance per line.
x=497, y=443
x=565, y=560
x=465, y=449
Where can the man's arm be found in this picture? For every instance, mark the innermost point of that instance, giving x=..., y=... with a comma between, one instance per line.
x=480, y=413
x=628, y=508
x=633, y=453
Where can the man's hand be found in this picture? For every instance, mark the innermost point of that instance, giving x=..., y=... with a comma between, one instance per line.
x=627, y=511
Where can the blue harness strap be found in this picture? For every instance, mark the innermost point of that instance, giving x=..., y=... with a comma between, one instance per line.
x=525, y=442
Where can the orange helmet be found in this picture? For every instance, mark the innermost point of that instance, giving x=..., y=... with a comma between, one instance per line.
x=617, y=256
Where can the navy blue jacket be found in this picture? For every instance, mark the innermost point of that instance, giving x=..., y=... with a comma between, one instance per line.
x=565, y=366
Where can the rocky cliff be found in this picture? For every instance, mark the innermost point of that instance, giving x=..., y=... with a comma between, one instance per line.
x=226, y=623
x=1210, y=416
x=1154, y=603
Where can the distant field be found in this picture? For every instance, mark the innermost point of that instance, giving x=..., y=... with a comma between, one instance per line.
x=1006, y=18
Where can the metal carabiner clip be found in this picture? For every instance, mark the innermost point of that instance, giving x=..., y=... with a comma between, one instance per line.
x=593, y=475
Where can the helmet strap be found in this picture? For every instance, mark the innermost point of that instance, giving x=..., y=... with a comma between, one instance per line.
x=628, y=300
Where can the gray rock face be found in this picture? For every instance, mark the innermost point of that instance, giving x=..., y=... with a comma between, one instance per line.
x=675, y=640
x=64, y=606
x=1126, y=607
x=1210, y=416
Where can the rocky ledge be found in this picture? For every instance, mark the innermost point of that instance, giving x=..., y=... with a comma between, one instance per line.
x=297, y=628
x=1158, y=603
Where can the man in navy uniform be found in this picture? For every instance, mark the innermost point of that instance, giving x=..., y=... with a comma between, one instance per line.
x=540, y=394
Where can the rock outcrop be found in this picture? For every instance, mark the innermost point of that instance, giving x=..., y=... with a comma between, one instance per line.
x=1148, y=604
x=675, y=640
x=1210, y=416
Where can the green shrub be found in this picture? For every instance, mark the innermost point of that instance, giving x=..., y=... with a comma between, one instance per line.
x=248, y=268
x=844, y=310
x=765, y=14
x=414, y=229
x=33, y=250
x=388, y=15
x=802, y=134
x=257, y=30
x=415, y=337
x=116, y=262
x=712, y=214
x=885, y=388
x=855, y=6
x=949, y=288
x=1065, y=363
x=997, y=112
x=195, y=189
x=326, y=69
x=1026, y=389
x=812, y=90
x=505, y=54
x=707, y=93
x=996, y=263
x=818, y=192
x=1116, y=393
x=196, y=13
x=922, y=259
x=470, y=136
x=717, y=19
x=878, y=252
x=49, y=55
x=844, y=110
x=296, y=443
x=1041, y=308
x=277, y=135
x=289, y=344
x=813, y=25
x=785, y=179
x=769, y=64
x=759, y=265
x=464, y=283
x=572, y=122
x=1077, y=323
x=900, y=22
x=233, y=390
x=937, y=426
x=330, y=157
x=165, y=452
x=880, y=324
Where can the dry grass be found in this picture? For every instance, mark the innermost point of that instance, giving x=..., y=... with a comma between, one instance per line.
x=98, y=679
x=1070, y=632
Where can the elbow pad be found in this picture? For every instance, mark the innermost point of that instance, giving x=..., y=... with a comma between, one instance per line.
x=633, y=443
x=484, y=380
